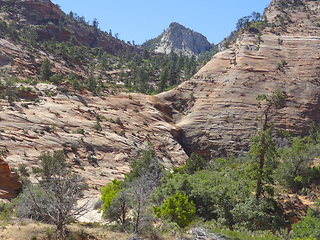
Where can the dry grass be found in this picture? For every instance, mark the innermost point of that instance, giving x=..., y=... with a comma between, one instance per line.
x=16, y=231
x=27, y=230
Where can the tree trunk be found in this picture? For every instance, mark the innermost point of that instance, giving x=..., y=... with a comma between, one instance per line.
x=265, y=125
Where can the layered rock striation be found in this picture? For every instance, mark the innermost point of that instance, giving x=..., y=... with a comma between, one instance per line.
x=67, y=121
x=219, y=103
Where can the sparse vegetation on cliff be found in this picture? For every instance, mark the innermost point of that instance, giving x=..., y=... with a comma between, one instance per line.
x=97, y=65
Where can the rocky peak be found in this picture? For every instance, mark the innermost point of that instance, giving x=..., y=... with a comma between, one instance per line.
x=176, y=25
x=183, y=40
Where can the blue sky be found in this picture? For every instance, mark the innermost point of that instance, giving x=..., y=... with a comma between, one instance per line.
x=141, y=20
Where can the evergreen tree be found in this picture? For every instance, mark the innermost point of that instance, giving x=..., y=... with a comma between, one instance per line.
x=91, y=82
x=263, y=148
x=162, y=85
x=104, y=62
x=75, y=85
x=46, y=70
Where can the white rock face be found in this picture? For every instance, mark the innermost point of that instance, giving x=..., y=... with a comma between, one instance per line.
x=182, y=40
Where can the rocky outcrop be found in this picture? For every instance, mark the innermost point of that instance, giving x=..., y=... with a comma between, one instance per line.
x=221, y=118
x=66, y=121
x=9, y=181
x=180, y=39
x=232, y=36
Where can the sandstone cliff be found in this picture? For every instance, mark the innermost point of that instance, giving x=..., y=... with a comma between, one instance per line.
x=128, y=124
x=180, y=39
x=222, y=115
x=9, y=181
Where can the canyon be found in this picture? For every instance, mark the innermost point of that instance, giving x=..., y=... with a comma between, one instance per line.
x=212, y=114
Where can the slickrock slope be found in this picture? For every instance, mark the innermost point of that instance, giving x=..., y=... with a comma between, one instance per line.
x=127, y=126
x=218, y=104
x=9, y=181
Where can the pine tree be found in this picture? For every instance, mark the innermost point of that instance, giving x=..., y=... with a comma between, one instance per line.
x=263, y=148
x=162, y=85
x=46, y=70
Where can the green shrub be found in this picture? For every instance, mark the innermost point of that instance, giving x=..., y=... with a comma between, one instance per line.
x=176, y=209
x=118, y=121
x=79, y=131
x=97, y=126
x=92, y=160
x=3, y=152
x=74, y=147
x=76, y=161
x=214, y=193
x=195, y=163
x=108, y=193
x=23, y=170
x=49, y=232
x=295, y=169
x=257, y=215
x=56, y=78
x=24, y=105
x=309, y=226
x=33, y=237
x=139, y=166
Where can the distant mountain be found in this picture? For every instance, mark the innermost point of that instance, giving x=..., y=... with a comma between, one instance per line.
x=179, y=39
